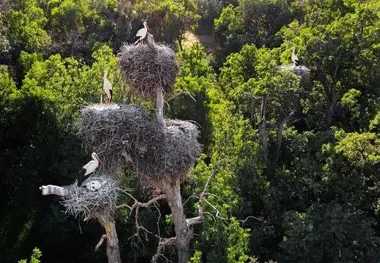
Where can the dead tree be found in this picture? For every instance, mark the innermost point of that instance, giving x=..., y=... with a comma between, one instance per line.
x=96, y=200
x=161, y=157
x=161, y=151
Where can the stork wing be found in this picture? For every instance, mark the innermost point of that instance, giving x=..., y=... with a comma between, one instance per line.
x=107, y=84
x=142, y=32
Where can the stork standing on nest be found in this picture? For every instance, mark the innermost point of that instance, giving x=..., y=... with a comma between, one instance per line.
x=142, y=33
x=106, y=86
x=89, y=168
x=295, y=58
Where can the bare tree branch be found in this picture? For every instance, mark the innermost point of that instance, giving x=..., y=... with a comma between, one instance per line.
x=161, y=245
x=249, y=217
x=100, y=242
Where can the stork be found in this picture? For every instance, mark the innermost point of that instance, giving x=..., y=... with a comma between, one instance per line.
x=295, y=58
x=142, y=33
x=89, y=168
x=107, y=87
x=94, y=185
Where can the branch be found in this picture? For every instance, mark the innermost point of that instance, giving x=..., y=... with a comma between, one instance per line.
x=179, y=94
x=125, y=192
x=123, y=205
x=161, y=245
x=136, y=207
x=54, y=190
x=100, y=242
x=194, y=220
x=248, y=217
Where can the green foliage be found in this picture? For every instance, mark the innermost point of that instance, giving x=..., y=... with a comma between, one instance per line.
x=348, y=232
x=252, y=22
x=26, y=26
x=340, y=48
x=197, y=257
x=34, y=258
x=375, y=123
x=359, y=148
x=194, y=79
x=170, y=19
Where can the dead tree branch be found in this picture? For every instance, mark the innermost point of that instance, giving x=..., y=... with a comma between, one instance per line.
x=161, y=246
x=100, y=242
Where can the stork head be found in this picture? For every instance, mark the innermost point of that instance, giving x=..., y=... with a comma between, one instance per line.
x=95, y=156
x=294, y=49
x=103, y=74
x=146, y=25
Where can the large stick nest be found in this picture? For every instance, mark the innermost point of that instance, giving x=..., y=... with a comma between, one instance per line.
x=147, y=67
x=111, y=129
x=155, y=152
x=302, y=71
x=82, y=202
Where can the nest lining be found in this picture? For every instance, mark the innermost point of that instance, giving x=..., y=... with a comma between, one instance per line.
x=155, y=152
x=147, y=67
x=82, y=202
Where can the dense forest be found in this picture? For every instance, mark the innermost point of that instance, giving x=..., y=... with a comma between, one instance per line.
x=291, y=161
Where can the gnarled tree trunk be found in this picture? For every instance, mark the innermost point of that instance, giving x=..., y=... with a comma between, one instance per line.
x=113, y=252
x=160, y=107
x=183, y=233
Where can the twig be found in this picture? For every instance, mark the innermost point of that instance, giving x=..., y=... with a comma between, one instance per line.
x=248, y=217
x=100, y=242
x=161, y=245
x=123, y=205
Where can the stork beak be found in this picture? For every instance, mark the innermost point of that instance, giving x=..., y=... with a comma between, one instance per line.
x=101, y=75
x=97, y=157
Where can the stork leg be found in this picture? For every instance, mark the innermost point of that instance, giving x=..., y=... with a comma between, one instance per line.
x=138, y=40
x=110, y=98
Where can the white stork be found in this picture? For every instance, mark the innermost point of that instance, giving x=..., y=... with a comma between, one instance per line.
x=295, y=58
x=142, y=33
x=89, y=168
x=94, y=185
x=107, y=87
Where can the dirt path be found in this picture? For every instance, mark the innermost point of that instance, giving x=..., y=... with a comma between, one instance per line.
x=207, y=41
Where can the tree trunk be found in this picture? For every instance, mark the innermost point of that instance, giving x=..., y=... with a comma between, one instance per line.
x=183, y=233
x=160, y=107
x=280, y=128
x=330, y=113
x=113, y=252
x=263, y=129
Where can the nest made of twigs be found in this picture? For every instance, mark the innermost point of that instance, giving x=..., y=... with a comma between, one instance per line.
x=110, y=129
x=147, y=67
x=82, y=202
x=125, y=133
x=170, y=151
x=302, y=71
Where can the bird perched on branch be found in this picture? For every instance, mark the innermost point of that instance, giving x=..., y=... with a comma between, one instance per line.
x=142, y=33
x=106, y=86
x=295, y=58
x=89, y=168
